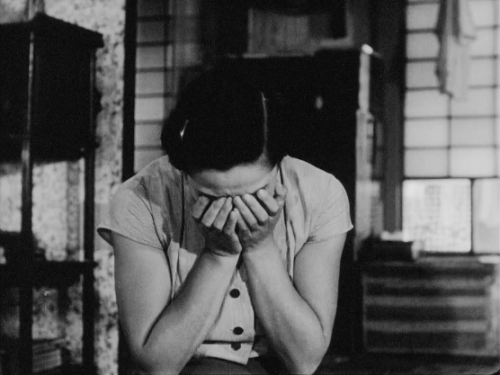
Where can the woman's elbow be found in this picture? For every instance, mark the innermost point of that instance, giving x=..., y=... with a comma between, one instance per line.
x=146, y=361
x=307, y=366
x=310, y=360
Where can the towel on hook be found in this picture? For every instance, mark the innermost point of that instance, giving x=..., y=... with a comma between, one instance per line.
x=455, y=31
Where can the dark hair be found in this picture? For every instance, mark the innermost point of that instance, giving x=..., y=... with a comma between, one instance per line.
x=222, y=120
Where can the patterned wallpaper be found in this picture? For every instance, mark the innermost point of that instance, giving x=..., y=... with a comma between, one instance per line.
x=57, y=186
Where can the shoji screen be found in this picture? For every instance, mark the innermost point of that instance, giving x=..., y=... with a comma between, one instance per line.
x=168, y=50
x=451, y=146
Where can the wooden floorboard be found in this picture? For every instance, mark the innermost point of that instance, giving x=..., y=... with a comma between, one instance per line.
x=411, y=365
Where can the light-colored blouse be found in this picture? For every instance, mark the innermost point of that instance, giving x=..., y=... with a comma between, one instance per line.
x=153, y=208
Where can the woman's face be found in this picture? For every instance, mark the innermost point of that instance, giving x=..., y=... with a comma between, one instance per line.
x=237, y=181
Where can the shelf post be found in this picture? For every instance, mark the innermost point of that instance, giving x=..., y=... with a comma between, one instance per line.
x=89, y=228
x=24, y=359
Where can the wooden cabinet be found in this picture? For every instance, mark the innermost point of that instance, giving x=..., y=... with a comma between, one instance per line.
x=48, y=105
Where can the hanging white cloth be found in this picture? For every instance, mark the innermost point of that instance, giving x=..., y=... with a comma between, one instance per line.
x=455, y=31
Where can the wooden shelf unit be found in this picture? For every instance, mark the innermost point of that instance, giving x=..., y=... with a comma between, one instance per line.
x=48, y=106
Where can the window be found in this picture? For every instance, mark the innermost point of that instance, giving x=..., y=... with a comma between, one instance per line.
x=451, y=183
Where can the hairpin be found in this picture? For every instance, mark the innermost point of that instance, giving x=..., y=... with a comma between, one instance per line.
x=183, y=130
x=264, y=107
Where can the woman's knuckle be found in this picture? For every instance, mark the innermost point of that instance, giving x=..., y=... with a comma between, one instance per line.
x=254, y=226
x=264, y=220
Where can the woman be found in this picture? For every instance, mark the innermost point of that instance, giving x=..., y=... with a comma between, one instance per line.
x=227, y=251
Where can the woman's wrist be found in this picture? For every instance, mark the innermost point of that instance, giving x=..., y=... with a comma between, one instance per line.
x=262, y=250
x=221, y=257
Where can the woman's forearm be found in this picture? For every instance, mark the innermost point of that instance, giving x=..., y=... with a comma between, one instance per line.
x=184, y=323
x=292, y=326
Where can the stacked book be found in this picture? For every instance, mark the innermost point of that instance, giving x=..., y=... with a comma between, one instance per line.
x=2, y=362
x=47, y=354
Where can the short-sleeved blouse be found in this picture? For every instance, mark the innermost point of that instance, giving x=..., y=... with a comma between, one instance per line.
x=153, y=208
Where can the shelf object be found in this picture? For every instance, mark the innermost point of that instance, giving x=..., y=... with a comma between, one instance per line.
x=48, y=106
x=285, y=27
x=45, y=89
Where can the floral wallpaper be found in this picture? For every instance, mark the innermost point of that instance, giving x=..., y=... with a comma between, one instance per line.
x=58, y=194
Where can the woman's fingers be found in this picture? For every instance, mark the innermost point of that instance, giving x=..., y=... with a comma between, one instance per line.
x=222, y=216
x=269, y=203
x=260, y=208
x=241, y=225
x=219, y=222
x=211, y=213
x=245, y=212
x=199, y=207
x=232, y=221
x=280, y=193
x=256, y=208
x=272, y=204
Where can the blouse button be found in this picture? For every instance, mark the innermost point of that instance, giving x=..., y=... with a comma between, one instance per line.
x=238, y=330
x=236, y=345
x=235, y=293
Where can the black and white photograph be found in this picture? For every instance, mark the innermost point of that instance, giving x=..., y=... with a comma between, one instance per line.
x=249, y=187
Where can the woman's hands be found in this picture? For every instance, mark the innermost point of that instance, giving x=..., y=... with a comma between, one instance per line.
x=258, y=217
x=218, y=221
x=232, y=225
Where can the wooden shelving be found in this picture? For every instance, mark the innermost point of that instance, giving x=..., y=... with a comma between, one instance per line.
x=48, y=108
x=47, y=273
x=77, y=369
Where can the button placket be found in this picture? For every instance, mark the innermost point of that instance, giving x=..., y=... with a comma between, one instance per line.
x=238, y=298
